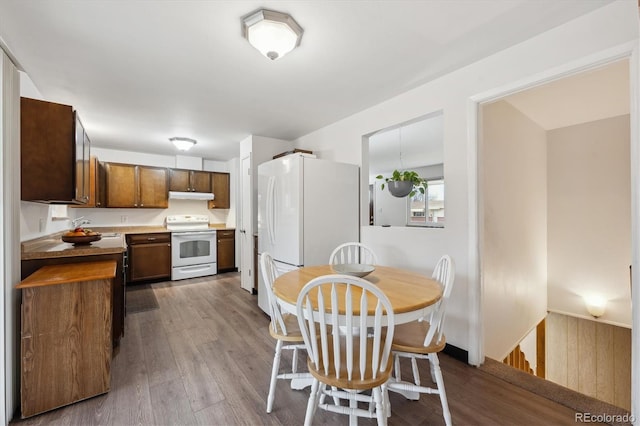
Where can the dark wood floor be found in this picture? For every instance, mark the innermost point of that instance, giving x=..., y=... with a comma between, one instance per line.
x=204, y=358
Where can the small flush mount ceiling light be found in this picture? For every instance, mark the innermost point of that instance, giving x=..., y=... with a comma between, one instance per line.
x=183, y=144
x=274, y=34
x=596, y=305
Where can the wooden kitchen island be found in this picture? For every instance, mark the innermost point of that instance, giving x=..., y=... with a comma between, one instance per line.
x=65, y=336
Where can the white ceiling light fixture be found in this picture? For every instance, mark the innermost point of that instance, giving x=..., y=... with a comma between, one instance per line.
x=183, y=144
x=273, y=33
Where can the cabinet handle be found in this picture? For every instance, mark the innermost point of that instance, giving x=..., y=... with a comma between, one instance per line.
x=135, y=204
x=151, y=238
x=141, y=205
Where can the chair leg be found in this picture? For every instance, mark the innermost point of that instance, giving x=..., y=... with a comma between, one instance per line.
x=387, y=403
x=433, y=359
x=353, y=404
x=396, y=363
x=294, y=362
x=274, y=375
x=336, y=400
x=416, y=373
x=381, y=412
x=313, y=402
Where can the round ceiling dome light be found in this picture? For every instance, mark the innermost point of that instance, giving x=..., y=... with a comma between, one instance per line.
x=183, y=144
x=273, y=33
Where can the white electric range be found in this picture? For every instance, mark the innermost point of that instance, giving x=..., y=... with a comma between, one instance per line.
x=193, y=246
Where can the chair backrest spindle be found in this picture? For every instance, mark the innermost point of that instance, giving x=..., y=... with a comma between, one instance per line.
x=344, y=321
x=353, y=252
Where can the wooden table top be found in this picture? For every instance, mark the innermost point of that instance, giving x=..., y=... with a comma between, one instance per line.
x=407, y=291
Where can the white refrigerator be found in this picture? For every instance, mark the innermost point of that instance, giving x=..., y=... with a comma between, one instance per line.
x=306, y=208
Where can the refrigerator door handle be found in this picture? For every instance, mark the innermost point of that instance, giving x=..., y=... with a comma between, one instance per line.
x=271, y=210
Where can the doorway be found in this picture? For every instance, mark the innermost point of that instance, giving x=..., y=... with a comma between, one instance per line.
x=547, y=158
x=246, y=226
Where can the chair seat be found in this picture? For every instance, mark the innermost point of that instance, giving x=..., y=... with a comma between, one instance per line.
x=293, y=330
x=356, y=382
x=409, y=337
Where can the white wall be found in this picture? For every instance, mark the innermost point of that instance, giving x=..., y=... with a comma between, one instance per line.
x=589, y=233
x=514, y=237
x=572, y=45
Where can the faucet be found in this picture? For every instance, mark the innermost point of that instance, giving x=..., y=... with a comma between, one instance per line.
x=79, y=221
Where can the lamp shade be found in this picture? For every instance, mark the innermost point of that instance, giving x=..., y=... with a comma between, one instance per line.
x=274, y=34
x=183, y=144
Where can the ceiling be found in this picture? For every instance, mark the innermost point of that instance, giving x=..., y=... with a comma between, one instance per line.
x=140, y=72
x=591, y=95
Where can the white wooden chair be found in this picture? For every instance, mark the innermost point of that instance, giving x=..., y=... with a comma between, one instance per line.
x=423, y=339
x=344, y=365
x=353, y=252
x=284, y=328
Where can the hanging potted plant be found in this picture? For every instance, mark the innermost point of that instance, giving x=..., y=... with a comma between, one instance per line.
x=404, y=183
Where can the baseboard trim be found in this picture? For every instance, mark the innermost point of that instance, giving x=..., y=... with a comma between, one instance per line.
x=457, y=353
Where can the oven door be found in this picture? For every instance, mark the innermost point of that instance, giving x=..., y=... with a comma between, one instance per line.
x=193, y=248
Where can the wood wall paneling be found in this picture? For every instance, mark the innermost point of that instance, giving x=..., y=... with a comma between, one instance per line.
x=590, y=357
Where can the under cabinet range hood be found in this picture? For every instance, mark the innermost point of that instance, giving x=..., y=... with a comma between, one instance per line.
x=177, y=195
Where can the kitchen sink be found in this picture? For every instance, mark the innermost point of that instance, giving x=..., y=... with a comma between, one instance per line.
x=111, y=235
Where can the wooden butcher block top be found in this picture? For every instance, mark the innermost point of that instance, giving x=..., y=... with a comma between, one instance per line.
x=70, y=273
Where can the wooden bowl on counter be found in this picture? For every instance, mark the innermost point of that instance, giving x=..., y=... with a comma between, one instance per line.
x=81, y=239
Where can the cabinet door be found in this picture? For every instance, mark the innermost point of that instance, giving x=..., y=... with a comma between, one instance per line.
x=96, y=185
x=121, y=188
x=149, y=261
x=153, y=186
x=220, y=184
x=65, y=344
x=226, y=251
x=47, y=151
x=179, y=180
x=200, y=181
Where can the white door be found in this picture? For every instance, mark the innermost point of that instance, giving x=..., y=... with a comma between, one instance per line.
x=246, y=226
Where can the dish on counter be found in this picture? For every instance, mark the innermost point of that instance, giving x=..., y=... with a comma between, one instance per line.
x=81, y=236
x=355, y=269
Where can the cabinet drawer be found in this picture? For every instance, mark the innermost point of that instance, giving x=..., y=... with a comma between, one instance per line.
x=227, y=233
x=162, y=237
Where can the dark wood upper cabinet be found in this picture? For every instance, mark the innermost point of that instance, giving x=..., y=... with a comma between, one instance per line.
x=220, y=183
x=189, y=181
x=54, y=153
x=96, y=184
x=200, y=181
x=129, y=185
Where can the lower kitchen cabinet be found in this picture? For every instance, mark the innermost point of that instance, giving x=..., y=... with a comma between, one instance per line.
x=149, y=256
x=65, y=336
x=226, y=250
x=117, y=304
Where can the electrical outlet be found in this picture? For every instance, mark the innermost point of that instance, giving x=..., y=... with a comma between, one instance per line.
x=42, y=225
x=124, y=219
